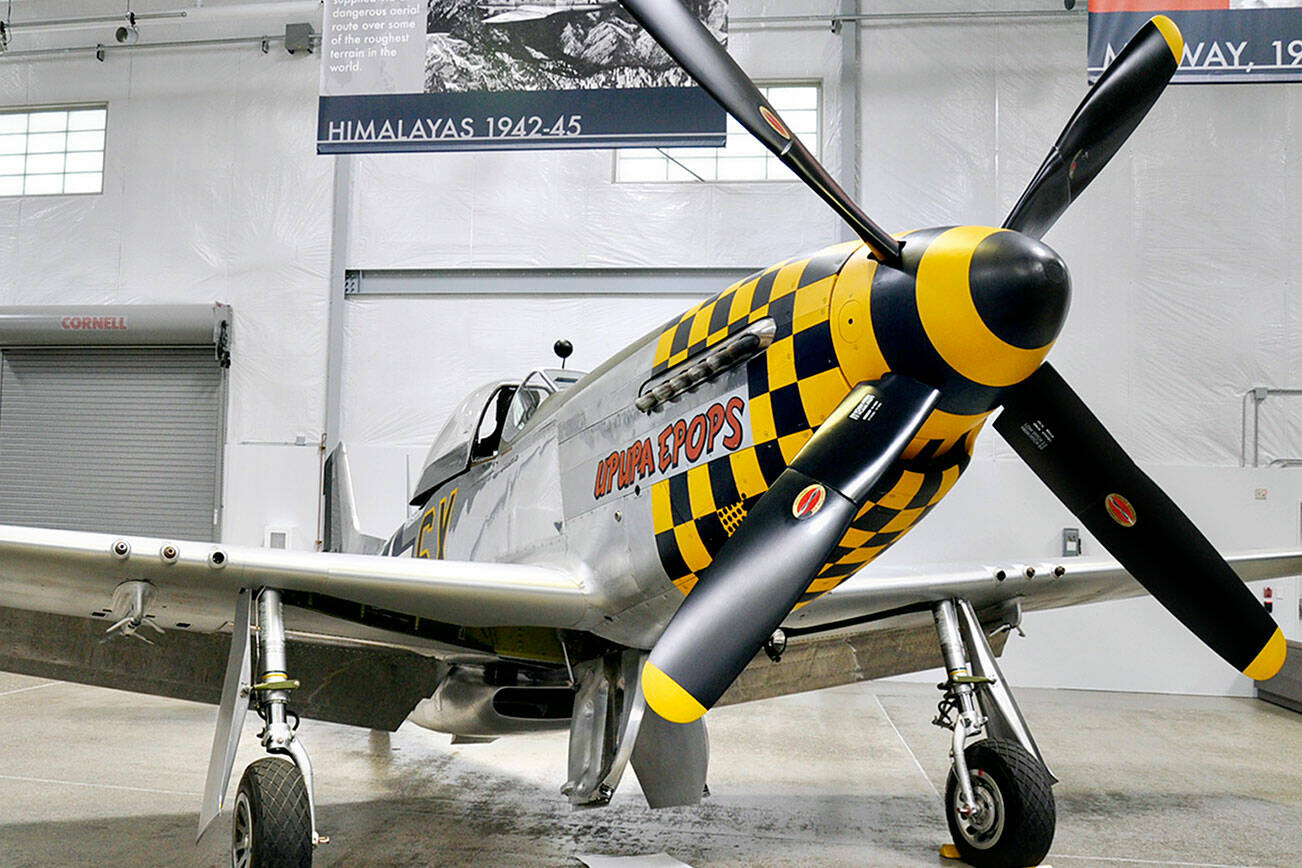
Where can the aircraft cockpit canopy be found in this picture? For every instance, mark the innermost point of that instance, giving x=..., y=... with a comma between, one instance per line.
x=536, y=388
x=489, y=417
x=466, y=418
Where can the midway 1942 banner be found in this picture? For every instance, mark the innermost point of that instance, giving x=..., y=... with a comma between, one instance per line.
x=440, y=75
x=1224, y=40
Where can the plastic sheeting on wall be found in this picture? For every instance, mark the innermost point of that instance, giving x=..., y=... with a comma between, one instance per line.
x=212, y=192
x=436, y=349
x=1183, y=264
x=561, y=209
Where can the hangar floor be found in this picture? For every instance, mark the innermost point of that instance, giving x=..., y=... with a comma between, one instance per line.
x=846, y=776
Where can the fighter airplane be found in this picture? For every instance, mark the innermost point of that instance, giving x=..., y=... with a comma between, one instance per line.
x=516, y=11
x=615, y=552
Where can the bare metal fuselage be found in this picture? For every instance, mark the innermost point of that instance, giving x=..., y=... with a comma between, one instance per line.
x=636, y=496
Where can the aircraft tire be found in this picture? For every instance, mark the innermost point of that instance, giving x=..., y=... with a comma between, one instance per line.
x=1016, y=827
x=272, y=827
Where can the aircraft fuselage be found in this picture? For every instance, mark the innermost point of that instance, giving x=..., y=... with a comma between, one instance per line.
x=637, y=475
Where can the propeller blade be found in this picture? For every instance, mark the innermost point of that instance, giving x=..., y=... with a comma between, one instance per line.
x=689, y=42
x=1103, y=121
x=1070, y=450
x=764, y=567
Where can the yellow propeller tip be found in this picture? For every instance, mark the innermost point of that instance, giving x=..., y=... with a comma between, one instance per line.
x=1267, y=664
x=667, y=698
x=1171, y=33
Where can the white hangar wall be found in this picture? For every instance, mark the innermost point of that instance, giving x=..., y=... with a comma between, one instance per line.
x=212, y=192
x=561, y=209
x=1182, y=255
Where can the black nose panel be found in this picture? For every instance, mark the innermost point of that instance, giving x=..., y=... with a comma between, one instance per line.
x=1020, y=288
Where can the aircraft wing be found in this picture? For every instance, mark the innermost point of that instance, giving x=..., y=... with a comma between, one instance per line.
x=57, y=597
x=1072, y=581
x=879, y=623
x=74, y=573
x=535, y=13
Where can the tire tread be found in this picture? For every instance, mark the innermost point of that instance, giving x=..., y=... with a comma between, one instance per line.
x=1030, y=821
x=282, y=820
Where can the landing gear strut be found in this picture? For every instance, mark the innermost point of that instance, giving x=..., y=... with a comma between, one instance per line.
x=275, y=813
x=998, y=797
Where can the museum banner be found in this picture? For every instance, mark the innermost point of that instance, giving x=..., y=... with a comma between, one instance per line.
x=443, y=75
x=1224, y=40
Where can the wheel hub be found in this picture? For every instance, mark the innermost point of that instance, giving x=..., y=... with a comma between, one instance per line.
x=242, y=835
x=983, y=825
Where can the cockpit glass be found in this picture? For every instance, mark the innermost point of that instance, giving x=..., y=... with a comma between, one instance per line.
x=461, y=425
x=474, y=419
x=536, y=388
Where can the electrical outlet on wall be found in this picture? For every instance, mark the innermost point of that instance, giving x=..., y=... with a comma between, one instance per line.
x=278, y=537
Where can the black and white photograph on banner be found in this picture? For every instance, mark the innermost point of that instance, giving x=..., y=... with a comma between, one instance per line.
x=514, y=45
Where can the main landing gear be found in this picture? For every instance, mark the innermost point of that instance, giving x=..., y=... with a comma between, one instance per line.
x=274, y=812
x=998, y=797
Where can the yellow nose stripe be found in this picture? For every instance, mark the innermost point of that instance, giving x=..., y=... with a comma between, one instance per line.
x=666, y=698
x=951, y=320
x=1174, y=38
x=1271, y=659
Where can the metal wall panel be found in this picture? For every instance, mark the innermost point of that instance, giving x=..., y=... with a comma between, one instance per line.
x=116, y=440
x=543, y=281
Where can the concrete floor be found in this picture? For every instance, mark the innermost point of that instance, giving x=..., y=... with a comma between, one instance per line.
x=847, y=776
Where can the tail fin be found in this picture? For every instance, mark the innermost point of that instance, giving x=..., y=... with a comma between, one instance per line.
x=342, y=533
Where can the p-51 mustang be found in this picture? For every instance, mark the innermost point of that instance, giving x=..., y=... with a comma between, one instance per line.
x=531, y=10
x=613, y=551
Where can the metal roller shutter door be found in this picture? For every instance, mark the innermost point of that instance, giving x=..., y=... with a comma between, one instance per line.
x=123, y=440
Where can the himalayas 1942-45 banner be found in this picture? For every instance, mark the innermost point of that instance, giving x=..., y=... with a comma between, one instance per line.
x=443, y=75
x=1236, y=41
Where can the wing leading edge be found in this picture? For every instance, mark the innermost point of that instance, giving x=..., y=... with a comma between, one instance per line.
x=879, y=624
x=75, y=573
x=877, y=593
